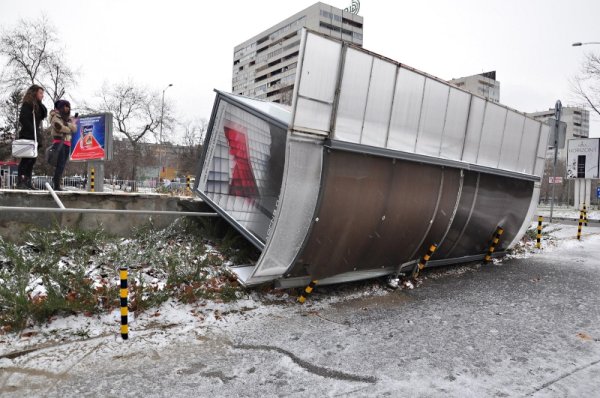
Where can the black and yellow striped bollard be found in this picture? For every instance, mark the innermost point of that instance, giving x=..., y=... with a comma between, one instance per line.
x=495, y=240
x=579, y=225
x=538, y=243
x=92, y=173
x=187, y=183
x=124, y=310
x=307, y=291
x=424, y=260
x=585, y=218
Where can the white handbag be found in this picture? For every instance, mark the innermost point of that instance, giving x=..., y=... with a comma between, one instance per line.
x=26, y=148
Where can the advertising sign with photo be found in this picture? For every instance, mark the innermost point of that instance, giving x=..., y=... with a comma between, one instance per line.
x=93, y=138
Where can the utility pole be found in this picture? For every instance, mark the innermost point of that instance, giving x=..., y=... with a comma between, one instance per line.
x=557, y=112
x=162, y=111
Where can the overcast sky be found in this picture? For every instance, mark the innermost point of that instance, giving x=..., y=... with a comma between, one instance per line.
x=190, y=43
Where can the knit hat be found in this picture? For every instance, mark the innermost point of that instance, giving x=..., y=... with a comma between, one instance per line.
x=61, y=103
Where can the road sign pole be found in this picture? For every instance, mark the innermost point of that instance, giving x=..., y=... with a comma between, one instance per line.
x=557, y=111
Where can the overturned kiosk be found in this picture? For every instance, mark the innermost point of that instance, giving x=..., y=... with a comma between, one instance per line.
x=372, y=164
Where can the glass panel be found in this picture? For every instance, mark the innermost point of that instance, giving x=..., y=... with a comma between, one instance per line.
x=353, y=96
x=543, y=144
x=312, y=115
x=541, y=150
x=491, y=135
x=379, y=103
x=245, y=157
x=406, y=110
x=319, y=68
x=455, y=126
x=296, y=209
x=474, y=125
x=528, y=150
x=433, y=113
x=276, y=111
x=511, y=141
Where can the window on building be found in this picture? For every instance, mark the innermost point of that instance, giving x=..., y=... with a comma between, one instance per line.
x=352, y=23
x=329, y=26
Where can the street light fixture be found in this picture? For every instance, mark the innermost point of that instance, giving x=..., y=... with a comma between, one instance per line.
x=162, y=111
x=579, y=44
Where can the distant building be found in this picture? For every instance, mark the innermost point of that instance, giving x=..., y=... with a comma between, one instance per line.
x=265, y=65
x=483, y=84
x=578, y=123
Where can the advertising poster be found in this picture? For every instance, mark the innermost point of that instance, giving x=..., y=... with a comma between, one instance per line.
x=582, y=158
x=93, y=138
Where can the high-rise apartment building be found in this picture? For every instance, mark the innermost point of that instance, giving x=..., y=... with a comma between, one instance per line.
x=483, y=84
x=265, y=65
x=577, y=120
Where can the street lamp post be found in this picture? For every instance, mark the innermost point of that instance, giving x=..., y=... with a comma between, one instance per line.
x=162, y=111
x=579, y=44
x=557, y=114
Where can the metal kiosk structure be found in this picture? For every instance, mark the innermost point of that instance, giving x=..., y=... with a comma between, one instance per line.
x=373, y=163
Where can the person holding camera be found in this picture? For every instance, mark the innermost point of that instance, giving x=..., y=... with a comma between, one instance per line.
x=62, y=127
x=31, y=115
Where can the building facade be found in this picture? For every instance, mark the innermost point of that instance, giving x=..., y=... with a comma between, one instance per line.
x=483, y=84
x=577, y=120
x=578, y=126
x=264, y=66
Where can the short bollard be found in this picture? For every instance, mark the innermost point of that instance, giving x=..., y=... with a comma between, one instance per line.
x=124, y=310
x=579, y=225
x=585, y=217
x=307, y=291
x=538, y=243
x=187, y=183
x=423, y=261
x=495, y=240
x=92, y=172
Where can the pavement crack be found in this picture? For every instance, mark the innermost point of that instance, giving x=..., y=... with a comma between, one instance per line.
x=549, y=383
x=309, y=367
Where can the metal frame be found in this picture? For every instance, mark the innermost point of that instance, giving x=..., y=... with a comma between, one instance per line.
x=415, y=157
x=287, y=283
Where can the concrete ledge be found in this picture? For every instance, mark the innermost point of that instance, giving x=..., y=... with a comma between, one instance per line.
x=13, y=224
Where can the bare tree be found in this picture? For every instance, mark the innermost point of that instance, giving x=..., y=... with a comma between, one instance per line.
x=33, y=56
x=58, y=77
x=587, y=85
x=27, y=47
x=9, y=114
x=136, y=115
x=191, y=143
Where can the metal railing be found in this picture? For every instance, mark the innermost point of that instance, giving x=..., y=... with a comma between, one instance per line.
x=76, y=183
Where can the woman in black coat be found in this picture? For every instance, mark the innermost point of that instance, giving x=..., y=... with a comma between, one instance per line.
x=32, y=111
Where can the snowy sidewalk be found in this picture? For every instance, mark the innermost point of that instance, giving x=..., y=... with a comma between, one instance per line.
x=527, y=326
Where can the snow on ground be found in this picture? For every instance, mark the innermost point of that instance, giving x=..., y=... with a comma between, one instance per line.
x=567, y=212
x=523, y=327
x=208, y=313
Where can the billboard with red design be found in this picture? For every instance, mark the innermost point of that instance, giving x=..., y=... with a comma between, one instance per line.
x=93, y=138
x=246, y=167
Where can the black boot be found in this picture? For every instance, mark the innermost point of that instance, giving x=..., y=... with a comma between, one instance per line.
x=21, y=183
x=56, y=184
x=29, y=184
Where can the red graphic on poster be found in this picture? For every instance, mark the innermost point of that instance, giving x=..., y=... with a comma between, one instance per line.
x=242, y=182
x=87, y=148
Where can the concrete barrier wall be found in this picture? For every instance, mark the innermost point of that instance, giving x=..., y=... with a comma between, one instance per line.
x=13, y=224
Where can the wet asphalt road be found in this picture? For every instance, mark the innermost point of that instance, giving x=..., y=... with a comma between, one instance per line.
x=525, y=327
